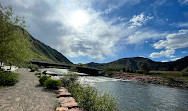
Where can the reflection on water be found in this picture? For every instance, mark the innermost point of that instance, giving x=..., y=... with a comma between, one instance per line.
x=136, y=96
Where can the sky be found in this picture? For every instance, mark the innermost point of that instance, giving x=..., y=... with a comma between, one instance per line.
x=106, y=30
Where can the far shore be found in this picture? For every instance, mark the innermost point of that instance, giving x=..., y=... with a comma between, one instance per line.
x=148, y=79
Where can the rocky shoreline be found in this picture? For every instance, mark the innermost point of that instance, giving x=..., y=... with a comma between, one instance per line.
x=149, y=79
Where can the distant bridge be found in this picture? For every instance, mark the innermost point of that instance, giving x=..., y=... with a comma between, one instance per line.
x=81, y=69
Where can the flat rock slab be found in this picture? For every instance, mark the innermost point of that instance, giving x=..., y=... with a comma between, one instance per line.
x=67, y=102
x=62, y=109
x=63, y=92
x=66, y=109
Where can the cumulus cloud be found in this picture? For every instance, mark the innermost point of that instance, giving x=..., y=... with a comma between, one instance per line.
x=173, y=41
x=72, y=27
x=139, y=20
x=166, y=53
x=75, y=28
x=140, y=36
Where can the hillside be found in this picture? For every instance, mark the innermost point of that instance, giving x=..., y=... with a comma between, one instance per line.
x=135, y=63
x=44, y=52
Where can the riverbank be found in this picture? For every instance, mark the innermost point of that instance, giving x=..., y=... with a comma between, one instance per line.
x=150, y=79
x=133, y=96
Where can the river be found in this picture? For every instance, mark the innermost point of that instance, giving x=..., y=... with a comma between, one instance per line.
x=136, y=96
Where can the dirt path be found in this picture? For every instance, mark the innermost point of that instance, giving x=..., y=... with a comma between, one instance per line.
x=27, y=95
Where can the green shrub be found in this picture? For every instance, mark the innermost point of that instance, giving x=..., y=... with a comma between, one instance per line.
x=43, y=79
x=69, y=78
x=90, y=100
x=8, y=78
x=38, y=74
x=33, y=68
x=52, y=84
x=88, y=97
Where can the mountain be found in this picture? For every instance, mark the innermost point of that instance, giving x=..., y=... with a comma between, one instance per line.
x=43, y=52
x=135, y=63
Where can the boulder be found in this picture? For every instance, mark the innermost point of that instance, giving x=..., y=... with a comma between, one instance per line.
x=67, y=102
x=62, y=92
x=62, y=109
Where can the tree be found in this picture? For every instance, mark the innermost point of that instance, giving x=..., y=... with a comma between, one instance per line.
x=14, y=47
x=145, y=68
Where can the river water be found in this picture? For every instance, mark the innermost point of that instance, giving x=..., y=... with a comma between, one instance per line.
x=136, y=96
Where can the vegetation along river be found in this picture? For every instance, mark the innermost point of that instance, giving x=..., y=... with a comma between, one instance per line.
x=136, y=96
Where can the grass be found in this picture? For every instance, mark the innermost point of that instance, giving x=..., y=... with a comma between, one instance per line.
x=38, y=74
x=166, y=75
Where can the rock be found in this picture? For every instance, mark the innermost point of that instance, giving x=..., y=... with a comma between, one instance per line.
x=68, y=102
x=62, y=89
x=63, y=92
x=66, y=109
x=62, y=109
x=75, y=109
